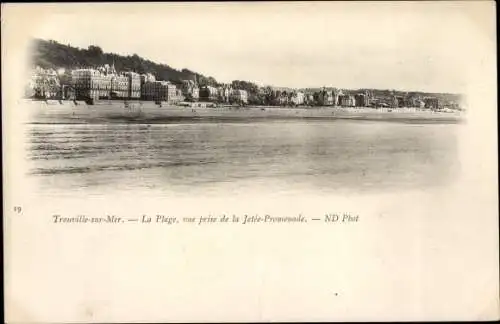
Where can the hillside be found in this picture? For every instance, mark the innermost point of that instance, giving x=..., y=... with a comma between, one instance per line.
x=51, y=54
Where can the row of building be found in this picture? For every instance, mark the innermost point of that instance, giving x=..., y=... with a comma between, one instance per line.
x=106, y=83
x=318, y=98
x=43, y=84
x=340, y=98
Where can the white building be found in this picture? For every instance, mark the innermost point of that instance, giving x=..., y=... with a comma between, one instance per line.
x=239, y=96
x=297, y=98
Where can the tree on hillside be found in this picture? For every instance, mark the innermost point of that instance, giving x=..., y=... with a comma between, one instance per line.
x=95, y=51
x=51, y=54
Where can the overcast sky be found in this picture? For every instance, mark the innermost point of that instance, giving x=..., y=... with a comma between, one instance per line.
x=407, y=46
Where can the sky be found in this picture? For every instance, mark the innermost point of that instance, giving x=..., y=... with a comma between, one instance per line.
x=400, y=45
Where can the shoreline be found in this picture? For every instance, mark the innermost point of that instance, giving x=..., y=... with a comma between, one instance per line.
x=149, y=112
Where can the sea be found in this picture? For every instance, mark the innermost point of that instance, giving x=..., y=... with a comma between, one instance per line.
x=211, y=158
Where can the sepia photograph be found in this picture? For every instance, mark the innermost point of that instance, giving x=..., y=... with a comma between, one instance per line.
x=288, y=111
x=216, y=161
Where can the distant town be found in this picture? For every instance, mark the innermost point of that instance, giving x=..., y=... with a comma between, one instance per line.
x=105, y=82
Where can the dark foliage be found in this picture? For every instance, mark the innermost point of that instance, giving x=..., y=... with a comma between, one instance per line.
x=51, y=54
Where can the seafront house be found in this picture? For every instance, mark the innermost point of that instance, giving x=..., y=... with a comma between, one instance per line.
x=224, y=92
x=144, y=78
x=90, y=85
x=401, y=102
x=338, y=93
x=239, y=96
x=394, y=103
x=178, y=95
x=361, y=100
x=297, y=98
x=431, y=102
x=351, y=102
x=44, y=84
x=160, y=91
x=134, y=85
x=325, y=97
x=278, y=97
x=208, y=93
x=347, y=100
x=309, y=99
x=119, y=87
x=190, y=90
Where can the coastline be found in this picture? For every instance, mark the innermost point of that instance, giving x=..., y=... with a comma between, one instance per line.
x=148, y=112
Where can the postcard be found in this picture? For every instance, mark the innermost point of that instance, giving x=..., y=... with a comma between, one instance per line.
x=250, y=161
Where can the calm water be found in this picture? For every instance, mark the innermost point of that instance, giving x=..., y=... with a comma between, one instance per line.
x=333, y=156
